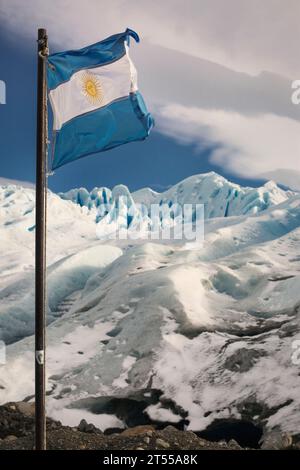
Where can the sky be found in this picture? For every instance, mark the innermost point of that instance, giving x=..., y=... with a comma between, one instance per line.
x=216, y=75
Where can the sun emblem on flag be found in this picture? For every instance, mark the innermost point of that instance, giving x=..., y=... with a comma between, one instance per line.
x=91, y=87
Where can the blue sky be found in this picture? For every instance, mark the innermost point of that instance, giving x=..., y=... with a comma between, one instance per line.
x=214, y=109
x=158, y=162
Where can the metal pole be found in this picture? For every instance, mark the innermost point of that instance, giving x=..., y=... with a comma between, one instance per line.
x=40, y=242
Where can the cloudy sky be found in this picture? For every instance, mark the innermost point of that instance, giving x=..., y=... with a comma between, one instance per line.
x=216, y=74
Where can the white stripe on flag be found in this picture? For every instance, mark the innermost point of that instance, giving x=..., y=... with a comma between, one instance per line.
x=91, y=89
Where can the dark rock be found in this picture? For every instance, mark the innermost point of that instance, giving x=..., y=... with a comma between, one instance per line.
x=243, y=359
x=26, y=408
x=87, y=427
x=129, y=409
x=114, y=332
x=288, y=330
x=110, y=431
x=245, y=433
x=276, y=440
x=251, y=407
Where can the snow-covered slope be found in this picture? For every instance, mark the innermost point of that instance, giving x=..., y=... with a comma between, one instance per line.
x=70, y=229
x=191, y=332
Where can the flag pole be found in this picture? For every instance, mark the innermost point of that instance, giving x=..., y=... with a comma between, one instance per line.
x=40, y=242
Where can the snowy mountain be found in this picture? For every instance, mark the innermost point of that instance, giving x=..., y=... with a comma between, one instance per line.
x=195, y=333
x=220, y=197
x=288, y=178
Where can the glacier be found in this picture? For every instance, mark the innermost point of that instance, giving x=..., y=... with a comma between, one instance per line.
x=220, y=197
x=182, y=332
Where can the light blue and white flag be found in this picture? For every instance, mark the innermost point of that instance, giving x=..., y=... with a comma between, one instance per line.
x=95, y=99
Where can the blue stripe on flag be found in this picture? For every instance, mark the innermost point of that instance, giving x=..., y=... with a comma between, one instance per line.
x=62, y=65
x=122, y=121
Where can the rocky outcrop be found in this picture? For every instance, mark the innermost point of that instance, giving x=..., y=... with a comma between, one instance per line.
x=17, y=432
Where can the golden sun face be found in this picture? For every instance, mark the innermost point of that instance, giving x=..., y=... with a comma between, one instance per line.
x=91, y=88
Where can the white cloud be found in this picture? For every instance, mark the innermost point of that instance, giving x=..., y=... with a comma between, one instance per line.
x=188, y=63
x=168, y=76
x=244, y=35
x=244, y=145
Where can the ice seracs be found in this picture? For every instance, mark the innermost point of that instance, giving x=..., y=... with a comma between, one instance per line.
x=220, y=197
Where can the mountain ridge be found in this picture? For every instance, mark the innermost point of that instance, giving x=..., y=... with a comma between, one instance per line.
x=220, y=197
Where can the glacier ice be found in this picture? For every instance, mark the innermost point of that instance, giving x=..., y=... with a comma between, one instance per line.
x=210, y=325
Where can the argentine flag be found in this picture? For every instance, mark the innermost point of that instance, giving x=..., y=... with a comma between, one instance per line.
x=95, y=99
